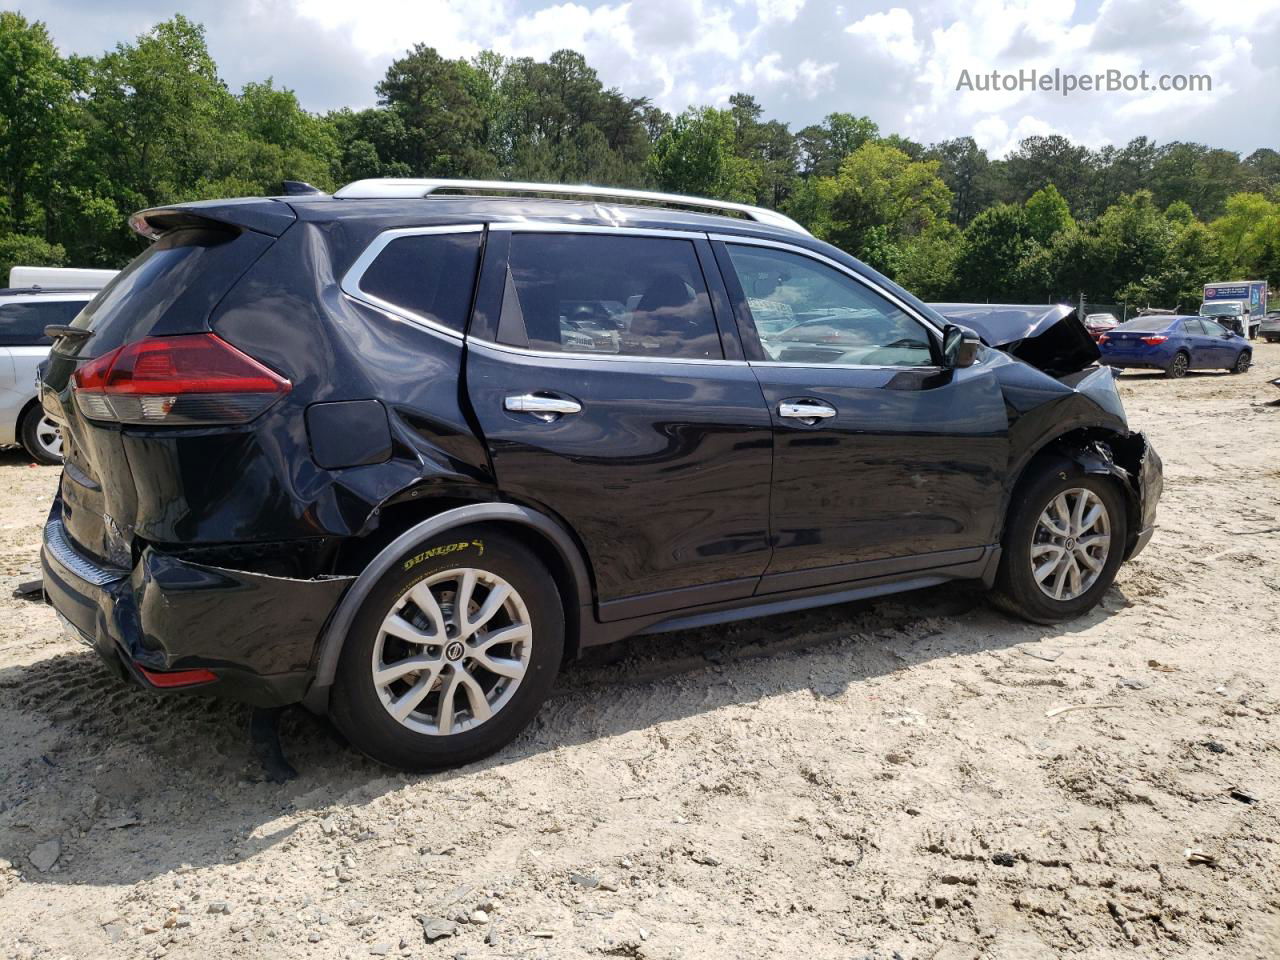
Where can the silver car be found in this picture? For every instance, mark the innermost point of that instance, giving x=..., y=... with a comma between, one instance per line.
x=24, y=313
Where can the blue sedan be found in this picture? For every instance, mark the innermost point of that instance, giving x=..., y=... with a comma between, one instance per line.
x=1175, y=345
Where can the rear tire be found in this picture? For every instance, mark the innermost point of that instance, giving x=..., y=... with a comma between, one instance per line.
x=1242, y=362
x=1019, y=587
x=450, y=708
x=1178, y=367
x=40, y=437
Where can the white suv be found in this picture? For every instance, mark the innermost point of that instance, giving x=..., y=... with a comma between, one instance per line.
x=24, y=313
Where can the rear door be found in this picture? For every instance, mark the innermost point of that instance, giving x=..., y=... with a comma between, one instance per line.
x=1203, y=350
x=883, y=461
x=598, y=375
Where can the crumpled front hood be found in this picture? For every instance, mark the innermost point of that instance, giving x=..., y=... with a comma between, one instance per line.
x=1050, y=338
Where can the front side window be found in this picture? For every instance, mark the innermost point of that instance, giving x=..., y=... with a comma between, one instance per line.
x=600, y=293
x=1214, y=329
x=428, y=275
x=22, y=324
x=806, y=312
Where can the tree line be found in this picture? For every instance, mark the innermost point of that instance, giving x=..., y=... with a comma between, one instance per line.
x=84, y=141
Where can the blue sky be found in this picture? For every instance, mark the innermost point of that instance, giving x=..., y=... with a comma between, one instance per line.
x=802, y=59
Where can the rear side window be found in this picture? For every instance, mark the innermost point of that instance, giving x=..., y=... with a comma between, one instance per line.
x=593, y=293
x=428, y=275
x=22, y=324
x=172, y=287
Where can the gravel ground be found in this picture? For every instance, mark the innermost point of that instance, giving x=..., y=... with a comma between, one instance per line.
x=875, y=780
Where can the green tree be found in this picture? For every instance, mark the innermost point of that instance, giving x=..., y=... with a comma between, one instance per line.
x=1047, y=214
x=35, y=116
x=994, y=246
x=823, y=146
x=27, y=251
x=966, y=170
x=879, y=198
x=443, y=118
x=696, y=157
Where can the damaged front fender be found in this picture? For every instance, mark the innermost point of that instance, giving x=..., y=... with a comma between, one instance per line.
x=1134, y=462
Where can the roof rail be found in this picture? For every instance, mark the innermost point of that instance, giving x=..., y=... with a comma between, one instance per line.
x=394, y=188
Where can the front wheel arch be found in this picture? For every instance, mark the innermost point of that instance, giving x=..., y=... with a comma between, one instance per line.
x=1097, y=451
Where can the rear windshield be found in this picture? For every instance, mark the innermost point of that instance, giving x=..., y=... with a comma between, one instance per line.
x=22, y=324
x=1147, y=324
x=170, y=288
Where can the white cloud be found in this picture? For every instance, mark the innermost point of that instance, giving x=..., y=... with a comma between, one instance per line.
x=892, y=32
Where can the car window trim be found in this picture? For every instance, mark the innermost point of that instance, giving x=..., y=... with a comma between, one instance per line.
x=350, y=283
x=535, y=226
x=930, y=327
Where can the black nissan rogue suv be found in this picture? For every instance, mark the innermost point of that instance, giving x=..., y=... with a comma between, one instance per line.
x=398, y=452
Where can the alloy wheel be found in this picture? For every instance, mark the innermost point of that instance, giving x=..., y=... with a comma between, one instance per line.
x=452, y=651
x=49, y=436
x=1242, y=362
x=1070, y=544
x=1179, y=367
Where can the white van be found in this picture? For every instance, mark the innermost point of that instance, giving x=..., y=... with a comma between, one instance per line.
x=60, y=278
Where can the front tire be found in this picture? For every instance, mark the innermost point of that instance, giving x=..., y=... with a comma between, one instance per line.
x=1178, y=367
x=452, y=654
x=1242, y=362
x=41, y=437
x=1063, y=544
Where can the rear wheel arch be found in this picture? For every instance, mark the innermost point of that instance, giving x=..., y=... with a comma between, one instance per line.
x=545, y=537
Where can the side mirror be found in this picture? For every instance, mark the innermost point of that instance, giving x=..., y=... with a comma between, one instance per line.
x=959, y=346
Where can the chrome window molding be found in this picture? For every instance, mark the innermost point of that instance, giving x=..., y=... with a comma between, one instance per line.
x=814, y=255
x=477, y=343
x=350, y=283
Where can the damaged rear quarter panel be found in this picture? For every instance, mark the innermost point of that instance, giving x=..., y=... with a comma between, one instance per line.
x=259, y=483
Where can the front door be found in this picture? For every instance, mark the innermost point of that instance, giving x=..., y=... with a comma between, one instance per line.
x=883, y=461
x=603, y=391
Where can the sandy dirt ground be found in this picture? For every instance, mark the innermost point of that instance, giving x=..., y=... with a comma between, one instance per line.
x=878, y=780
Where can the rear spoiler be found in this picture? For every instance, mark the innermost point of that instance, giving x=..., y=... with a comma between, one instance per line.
x=270, y=217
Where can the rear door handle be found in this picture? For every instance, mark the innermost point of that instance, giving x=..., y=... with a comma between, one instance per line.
x=541, y=406
x=807, y=412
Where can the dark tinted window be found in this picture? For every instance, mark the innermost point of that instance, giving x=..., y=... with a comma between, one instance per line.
x=1192, y=327
x=22, y=324
x=171, y=287
x=806, y=312
x=1147, y=325
x=1213, y=329
x=593, y=293
x=429, y=275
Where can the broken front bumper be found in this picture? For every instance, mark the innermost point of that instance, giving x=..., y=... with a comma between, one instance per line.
x=254, y=632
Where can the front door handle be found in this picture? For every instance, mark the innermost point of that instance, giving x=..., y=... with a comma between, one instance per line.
x=543, y=407
x=807, y=412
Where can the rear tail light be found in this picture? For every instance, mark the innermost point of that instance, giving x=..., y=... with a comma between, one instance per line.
x=193, y=379
x=1152, y=341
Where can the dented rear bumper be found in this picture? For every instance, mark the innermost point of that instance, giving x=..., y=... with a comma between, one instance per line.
x=254, y=632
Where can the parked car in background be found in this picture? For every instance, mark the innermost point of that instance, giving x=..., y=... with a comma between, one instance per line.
x=1270, y=328
x=1099, y=323
x=1175, y=344
x=396, y=454
x=24, y=313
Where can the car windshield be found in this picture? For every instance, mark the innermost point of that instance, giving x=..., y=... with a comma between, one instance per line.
x=1146, y=324
x=1221, y=310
